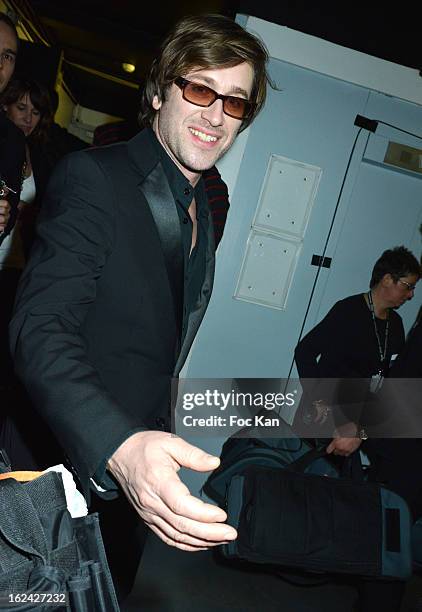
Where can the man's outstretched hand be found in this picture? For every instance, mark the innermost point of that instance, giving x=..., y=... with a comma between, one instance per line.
x=146, y=467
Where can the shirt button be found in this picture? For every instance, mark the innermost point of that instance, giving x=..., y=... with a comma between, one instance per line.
x=186, y=191
x=160, y=422
x=185, y=220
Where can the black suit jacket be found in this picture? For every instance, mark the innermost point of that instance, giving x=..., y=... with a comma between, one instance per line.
x=94, y=333
x=12, y=157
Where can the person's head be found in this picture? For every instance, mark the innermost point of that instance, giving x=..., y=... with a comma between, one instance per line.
x=207, y=84
x=396, y=273
x=28, y=105
x=8, y=49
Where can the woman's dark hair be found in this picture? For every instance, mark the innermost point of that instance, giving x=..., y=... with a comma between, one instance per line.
x=39, y=97
x=205, y=41
x=397, y=262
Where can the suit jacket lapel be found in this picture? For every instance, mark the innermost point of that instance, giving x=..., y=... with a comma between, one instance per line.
x=157, y=193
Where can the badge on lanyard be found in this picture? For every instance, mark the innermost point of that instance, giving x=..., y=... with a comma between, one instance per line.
x=378, y=378
x=376, y=382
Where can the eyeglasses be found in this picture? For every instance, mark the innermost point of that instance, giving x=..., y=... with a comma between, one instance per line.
x=408, y=285
x=201, y=95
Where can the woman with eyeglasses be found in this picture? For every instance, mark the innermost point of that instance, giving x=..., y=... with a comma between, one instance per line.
x=347, y=356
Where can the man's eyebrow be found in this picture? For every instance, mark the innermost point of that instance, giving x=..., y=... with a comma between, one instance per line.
x=11, y=51
x=234, y=89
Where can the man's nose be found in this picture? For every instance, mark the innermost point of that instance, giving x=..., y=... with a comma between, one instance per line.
x=214, y=114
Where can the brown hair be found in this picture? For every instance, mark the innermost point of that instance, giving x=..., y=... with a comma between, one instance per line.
x=40, y=98
x=205, y=41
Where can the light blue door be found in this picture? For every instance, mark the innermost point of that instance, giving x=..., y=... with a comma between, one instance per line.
x=383, y=210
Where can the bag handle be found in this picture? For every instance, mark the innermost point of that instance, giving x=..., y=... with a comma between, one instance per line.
x=303, y=462
x=352, y=465
x=20, y=524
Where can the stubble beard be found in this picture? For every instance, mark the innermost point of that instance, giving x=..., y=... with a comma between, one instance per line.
x=199, y=161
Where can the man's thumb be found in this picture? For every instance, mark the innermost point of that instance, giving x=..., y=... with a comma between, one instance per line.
x=192, y=457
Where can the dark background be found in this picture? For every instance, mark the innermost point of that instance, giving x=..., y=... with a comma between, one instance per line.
x=94, y=37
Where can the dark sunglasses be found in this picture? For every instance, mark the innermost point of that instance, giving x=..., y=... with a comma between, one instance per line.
x=201, y=95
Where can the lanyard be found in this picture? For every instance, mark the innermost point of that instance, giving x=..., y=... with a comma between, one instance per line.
x=382, y=353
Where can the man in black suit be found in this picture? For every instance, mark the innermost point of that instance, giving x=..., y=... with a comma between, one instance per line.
x=121, y=273
x=12, y=141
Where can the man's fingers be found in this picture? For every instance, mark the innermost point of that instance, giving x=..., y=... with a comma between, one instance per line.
x=334, y=448
x=192, y=457
x=177, y=528
x=343, y=446
x=176, y=496
x=182, y=516
x=182, y=533
x=331, y=447
x=170, y=542
x=206, y=531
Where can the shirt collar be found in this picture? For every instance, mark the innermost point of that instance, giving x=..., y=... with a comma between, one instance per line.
x=181, y=188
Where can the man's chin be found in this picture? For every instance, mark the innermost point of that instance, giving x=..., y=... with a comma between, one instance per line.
x=199, y=167
x=199, y=163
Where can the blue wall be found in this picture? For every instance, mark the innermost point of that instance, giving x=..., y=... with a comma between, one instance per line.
x=310, y=120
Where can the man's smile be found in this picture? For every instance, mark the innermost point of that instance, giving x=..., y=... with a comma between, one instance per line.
x=203, y=136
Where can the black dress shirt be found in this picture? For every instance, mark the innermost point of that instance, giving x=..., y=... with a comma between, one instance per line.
x=193, y=262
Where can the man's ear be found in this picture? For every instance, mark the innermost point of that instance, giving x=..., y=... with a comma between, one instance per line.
x=156, y=103
x=387, y=280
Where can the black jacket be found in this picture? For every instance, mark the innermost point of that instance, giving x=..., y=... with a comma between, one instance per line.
x=12, y=157
x=94, y=332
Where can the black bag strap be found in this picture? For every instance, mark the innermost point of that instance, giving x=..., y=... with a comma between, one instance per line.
x=20, y=523
x=351, y=467
x=5, y=463
x=303, y=462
